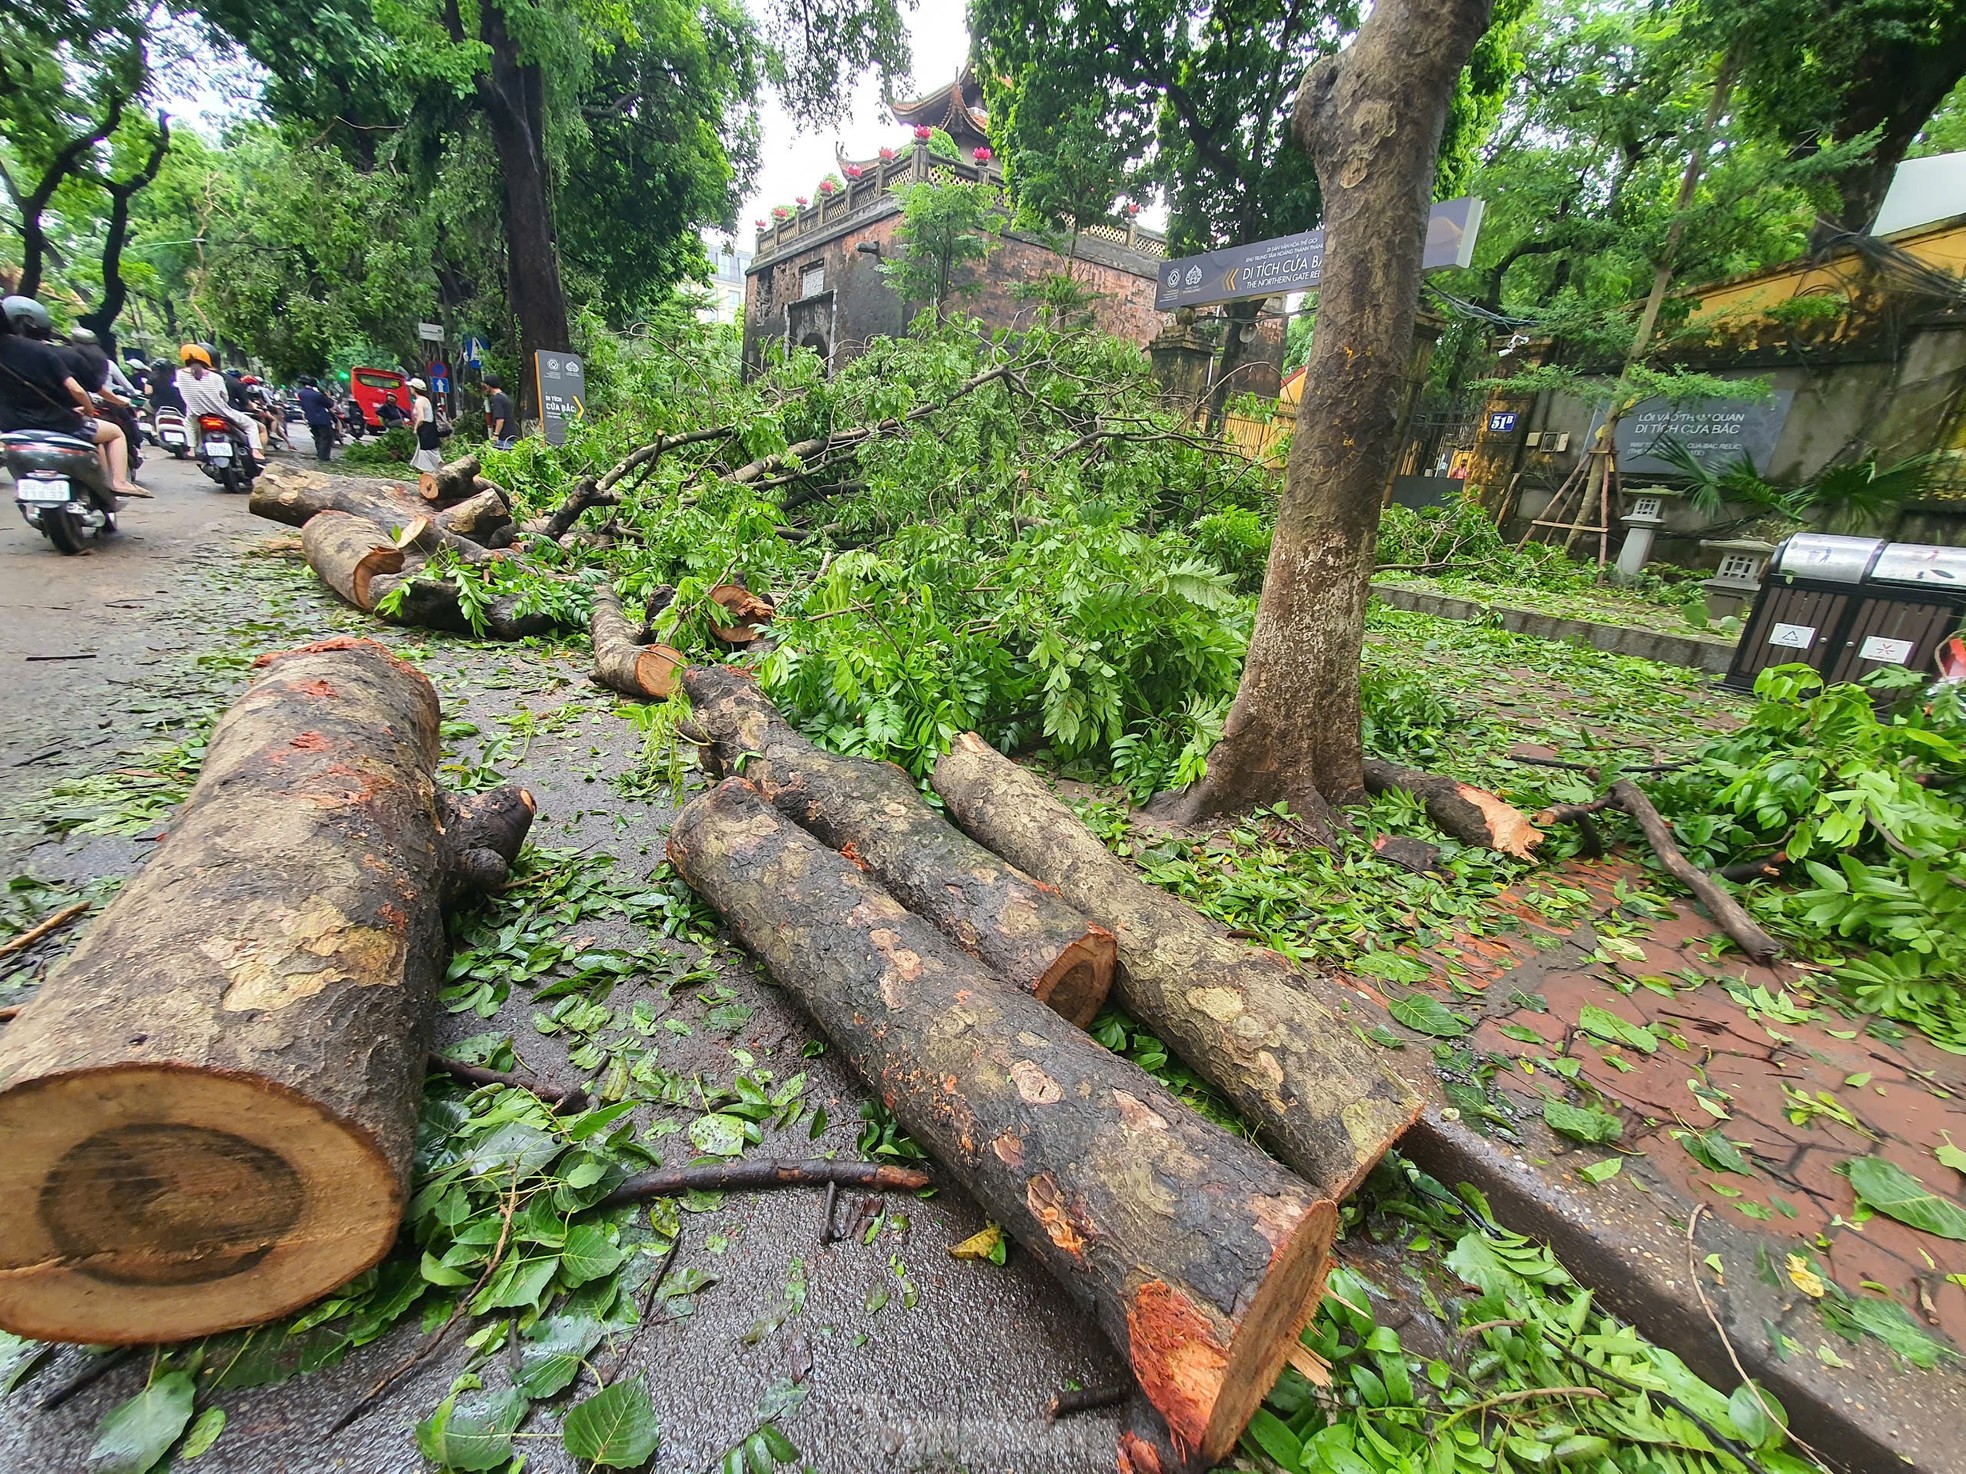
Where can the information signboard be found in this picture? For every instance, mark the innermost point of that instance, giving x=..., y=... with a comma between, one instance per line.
x=1295, y=263
x=1718, y=432
x=562, y=385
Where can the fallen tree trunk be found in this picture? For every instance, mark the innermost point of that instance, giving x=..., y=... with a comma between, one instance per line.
x=1472, y=815
x=1197, y=1254
x=209, y=1109
x=297, y=497
x=1240, y=1017
x=873, y=813
x=451, y=482
x=349, y=553
x=622, y=662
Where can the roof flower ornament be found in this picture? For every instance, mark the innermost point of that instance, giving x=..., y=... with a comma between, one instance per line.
x=803, y=202
x=983, y=156
x=887, y=156
x=854, y=171
x=826, y=186
x=922, y=132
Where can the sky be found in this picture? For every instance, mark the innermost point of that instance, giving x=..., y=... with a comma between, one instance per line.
x=795, y=159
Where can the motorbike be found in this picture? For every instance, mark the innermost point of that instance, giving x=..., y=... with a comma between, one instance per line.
x=167, y=429
x=60, y=487
x=224, y=454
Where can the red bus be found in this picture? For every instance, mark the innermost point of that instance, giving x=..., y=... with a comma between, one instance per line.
x=371, y=386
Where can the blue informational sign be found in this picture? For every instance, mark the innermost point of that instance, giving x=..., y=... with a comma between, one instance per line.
x=1502, y=422
x=474, y=350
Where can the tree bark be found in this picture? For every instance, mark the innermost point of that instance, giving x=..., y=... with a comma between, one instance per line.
x=1371, y=118
x=1732, y=916
x=294, y=497
x=209, y=1109
x=101, y=319
x=1241, y=1018
x=873, y=813
x=1472, y=815
x=1197, y=1254
x=622, y=662
x=348, y=554
x=451, y=482
x=67, y=161
x=509, y=91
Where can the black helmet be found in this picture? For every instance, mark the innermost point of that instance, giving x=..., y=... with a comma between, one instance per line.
x=83, y=335
x=24, y=313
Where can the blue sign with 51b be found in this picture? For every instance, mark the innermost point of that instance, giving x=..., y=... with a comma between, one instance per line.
x=1502, y=422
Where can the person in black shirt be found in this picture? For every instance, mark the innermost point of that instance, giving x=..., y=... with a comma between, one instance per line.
x=38, y=390
x=390, y=413
x=499, y=421
x=163, y=388
x=92, y=371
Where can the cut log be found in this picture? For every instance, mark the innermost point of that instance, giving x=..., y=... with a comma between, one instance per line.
x=479, y=516
x=209, y=1109
x=433, y=603
x=295, y=497
x=1472, y=815
x=349, y=553
x=451, y=482
x=1196, y=1253
x=748, y=614
x=622, y=662
x=1242, y=1018
x=873, y=813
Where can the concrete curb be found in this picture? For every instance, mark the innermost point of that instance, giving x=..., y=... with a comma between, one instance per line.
x=1699, y=652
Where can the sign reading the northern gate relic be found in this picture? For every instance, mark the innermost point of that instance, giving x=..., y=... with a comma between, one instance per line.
x=1295, y=263
x=1718, y=432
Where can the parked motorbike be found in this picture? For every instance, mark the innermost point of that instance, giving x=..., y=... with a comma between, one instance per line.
x=224, y=454
x=60, y=487
x=167, y=429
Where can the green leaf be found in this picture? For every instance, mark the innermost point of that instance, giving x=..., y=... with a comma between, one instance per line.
x=1950, y=1155
x=550, y=1355
x=718, y=1135
x=1895, y=1193
x=204, y=1433
x=1601, y=1171
x=474, y=1434
x=615, y=1428
x=1273, y=1436
x=588, y=1255
x=1582, y=1123
x=1614, y=1030
x=1714, y=1152
x=138, y=1434
x=1426, y=1015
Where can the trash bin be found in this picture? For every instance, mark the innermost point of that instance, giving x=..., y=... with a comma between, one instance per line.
x=1846, y=606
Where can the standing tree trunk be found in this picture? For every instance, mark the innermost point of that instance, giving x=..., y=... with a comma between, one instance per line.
x=510, y=91
x=1371, y=118
x=209, y=1108
x=115, y=292
x=68, y=160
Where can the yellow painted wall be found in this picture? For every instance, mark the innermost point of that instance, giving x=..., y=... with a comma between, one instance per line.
x=1942, y=247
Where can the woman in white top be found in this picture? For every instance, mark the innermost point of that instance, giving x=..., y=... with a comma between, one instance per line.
x=423, y=419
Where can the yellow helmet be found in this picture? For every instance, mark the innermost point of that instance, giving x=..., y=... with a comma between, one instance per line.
x=195, y=353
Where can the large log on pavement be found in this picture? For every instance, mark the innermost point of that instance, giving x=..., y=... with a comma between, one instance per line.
x=355, y=558
x=208, y=1110
x=1198, y=1255
x=622, y=661
x=1241, y=1017
x=294, y=497
x=874, y=813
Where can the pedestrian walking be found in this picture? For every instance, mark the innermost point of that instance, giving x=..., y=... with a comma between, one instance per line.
x=423, y=419
x=318, y=410
x=499, y=421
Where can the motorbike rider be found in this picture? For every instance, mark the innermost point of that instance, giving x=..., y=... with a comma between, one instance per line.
x=163, y=388
x=98, y=374
x=259, y=404
x=318, y=410
x=205, y=393
x=38, y=390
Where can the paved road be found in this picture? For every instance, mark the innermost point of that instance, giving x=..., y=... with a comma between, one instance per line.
x=172, y=611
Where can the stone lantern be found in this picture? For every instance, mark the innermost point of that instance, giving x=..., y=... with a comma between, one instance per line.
x=1642, y=524
x=1743, y=560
